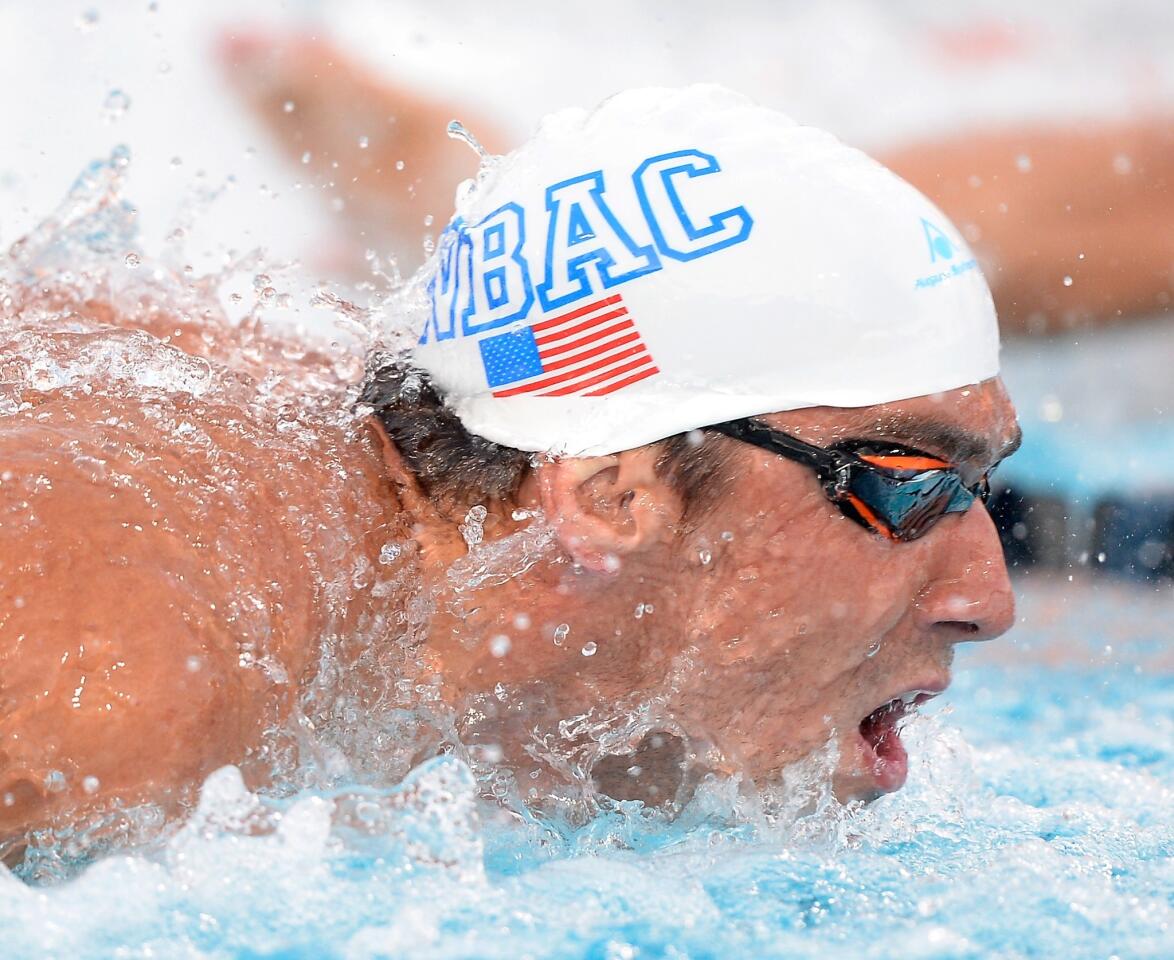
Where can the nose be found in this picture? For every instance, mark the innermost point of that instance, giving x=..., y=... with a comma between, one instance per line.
x=968, y=596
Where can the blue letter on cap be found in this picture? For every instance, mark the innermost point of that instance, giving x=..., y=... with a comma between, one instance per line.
x=582, y=229
x=675, y=233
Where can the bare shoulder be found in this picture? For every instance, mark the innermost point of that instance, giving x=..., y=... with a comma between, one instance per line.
x=164, y=576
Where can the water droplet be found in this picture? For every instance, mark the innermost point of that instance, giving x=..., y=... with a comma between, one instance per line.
x=589, y=648
x=458, y=131
x=288, y=106
x=1023, y=163
x=132, y=261
x=499, y=646
x=1067, y=280
x=115, y=105
x=364, y=143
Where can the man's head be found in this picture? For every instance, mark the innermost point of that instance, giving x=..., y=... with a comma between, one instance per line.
x=624, y=282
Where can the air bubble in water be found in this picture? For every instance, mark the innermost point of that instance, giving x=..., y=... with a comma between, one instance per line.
x=589, y=648
x=306, y=157
x=115, y=105
x=389, y=553
x=399, y=164
x=705, y=556
x=499, y=646
x=288, y=106
x=91, y=784
x=873, y=650
x=364, y=143
x=87, y=20
x=560, y=633
x=1067, y=281
x=1023, y=163
x=1122, y=164
x=132, y=261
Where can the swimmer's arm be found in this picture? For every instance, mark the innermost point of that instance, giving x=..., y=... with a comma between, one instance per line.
x=1093, y=204
x=115, y=672
x=381, y=149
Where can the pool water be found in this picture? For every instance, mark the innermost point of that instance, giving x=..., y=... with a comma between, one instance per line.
x=1038, y=821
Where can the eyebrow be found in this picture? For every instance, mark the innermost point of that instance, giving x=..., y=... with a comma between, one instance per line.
x=951, y=442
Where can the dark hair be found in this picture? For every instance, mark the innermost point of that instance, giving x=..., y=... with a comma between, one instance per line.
x=460, y=468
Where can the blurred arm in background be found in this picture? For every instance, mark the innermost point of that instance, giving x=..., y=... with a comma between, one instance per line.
x=1091, y=203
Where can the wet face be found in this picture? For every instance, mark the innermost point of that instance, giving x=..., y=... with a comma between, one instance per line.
x=809, y=628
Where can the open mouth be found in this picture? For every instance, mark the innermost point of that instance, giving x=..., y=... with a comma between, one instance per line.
x=881, y=733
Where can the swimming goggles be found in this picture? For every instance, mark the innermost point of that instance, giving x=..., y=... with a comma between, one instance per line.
x=897, y=495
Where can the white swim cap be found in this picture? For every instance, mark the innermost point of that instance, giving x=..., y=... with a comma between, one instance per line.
x=682, y=257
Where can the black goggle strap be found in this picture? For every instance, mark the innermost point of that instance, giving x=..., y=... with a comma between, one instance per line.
x=765, y=438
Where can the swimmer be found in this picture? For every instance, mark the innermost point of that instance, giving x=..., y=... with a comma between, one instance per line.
x=723, y=393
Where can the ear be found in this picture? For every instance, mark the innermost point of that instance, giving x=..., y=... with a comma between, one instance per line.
x=437, y=536
x=605, y=508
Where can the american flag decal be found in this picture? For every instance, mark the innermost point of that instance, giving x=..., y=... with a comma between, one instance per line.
x=590, y=351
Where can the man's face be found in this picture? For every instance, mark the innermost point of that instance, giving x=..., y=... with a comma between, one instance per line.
x=808, y=625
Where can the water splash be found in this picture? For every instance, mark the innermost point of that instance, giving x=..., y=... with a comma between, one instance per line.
x=458, y=131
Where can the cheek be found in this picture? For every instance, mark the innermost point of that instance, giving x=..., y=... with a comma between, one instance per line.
x=812, y=586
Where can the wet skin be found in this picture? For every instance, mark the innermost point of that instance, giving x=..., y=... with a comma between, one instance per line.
x=121, y=586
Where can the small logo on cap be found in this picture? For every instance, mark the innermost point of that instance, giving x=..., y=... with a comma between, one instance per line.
x=940, y=247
